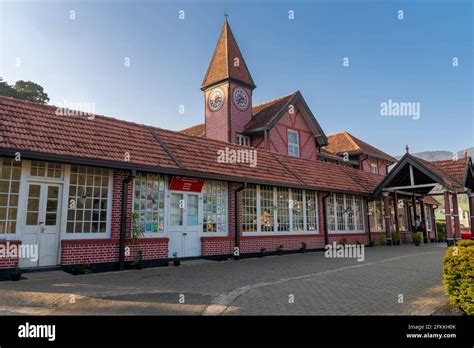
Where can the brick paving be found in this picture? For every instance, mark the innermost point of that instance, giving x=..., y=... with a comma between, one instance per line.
x=318, y=285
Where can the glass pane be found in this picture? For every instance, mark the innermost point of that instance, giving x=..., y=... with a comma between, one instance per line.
x=176, y=209
x=34, y=191
x=192, y=210
x=32, y=218
x=51, y=219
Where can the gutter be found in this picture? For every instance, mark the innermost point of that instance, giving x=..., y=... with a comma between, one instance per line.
x=236, y=217
x=326, y=237
x=123, y=217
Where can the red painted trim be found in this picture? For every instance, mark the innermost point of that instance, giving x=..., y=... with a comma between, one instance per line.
x=285, y=141
x=258, y=144
x=286, y=236
x=111, y=241
x=270, y=142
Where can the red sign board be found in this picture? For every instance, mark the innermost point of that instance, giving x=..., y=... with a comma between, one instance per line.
x=179, y=183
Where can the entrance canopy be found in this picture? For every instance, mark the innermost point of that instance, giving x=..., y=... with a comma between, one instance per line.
x=413, y=175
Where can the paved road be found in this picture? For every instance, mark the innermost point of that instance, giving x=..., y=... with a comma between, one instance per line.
x=300, y=284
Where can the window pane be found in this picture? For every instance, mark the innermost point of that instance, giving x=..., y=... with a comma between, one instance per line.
x=266, y=209
x=148, y=200
x=249, y=209
x=298, y=217
x=283, y=214
x=88, y=210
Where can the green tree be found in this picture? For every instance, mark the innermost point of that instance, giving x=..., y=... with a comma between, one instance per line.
x=31, y=91
x=7, y=90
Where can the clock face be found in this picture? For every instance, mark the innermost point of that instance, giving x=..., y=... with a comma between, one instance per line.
x=241, y=98
x=216, y=99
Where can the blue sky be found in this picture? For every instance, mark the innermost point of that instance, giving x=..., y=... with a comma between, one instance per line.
x=409, y=60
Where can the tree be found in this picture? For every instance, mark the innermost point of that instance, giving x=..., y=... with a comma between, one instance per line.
x=31, y=91
x=25, y=90
x=7, y=90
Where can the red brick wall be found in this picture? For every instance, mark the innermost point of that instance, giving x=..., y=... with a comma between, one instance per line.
x=9, y=262
x=239, y=118
x=107, y=250
x=278, y=135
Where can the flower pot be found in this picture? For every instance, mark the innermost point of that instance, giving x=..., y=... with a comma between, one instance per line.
x=176, y=262
x=279, y=252
x=16, y=276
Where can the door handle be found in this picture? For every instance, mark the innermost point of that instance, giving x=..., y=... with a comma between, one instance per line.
x=42, y=226
x=185, y=234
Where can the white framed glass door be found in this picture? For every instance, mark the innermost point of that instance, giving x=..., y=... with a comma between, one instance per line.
x=42, y=224
x=184, y=224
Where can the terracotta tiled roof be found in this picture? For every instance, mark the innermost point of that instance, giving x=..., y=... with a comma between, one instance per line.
x=439, y=171
x=455, y=168
x=430, y=200
x=198, y=130
x=264, y=113
x=36, y=130
x=222, y=65
x=346, y=142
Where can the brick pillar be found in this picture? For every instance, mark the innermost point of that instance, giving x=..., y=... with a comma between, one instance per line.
x=386, y=209
x=457, y=226
x=447, y=214
x=471, y=213
x=435, y=228
x=423, y=221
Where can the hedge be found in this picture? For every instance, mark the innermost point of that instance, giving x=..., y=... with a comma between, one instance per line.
x=458, y=275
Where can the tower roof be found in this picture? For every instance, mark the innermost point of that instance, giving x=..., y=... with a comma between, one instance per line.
x=227, y=62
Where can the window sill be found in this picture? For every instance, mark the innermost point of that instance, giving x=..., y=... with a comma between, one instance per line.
x=283, y=233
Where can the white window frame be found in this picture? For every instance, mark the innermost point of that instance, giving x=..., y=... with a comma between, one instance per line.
x=292, y=145
x=201, y=222
x=243, y=140
x=17, y=234
x=159, y=234
x=345, y=217
x=85, y=236
x=374, y=165
x=291, y=231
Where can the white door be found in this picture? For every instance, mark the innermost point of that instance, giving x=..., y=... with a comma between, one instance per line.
x=42, y=224
x=184, y=225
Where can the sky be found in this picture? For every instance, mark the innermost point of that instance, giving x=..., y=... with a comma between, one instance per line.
x=407, y=60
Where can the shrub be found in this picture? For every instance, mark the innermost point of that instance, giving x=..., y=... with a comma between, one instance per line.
x=441, y=229
x=395, y=237
x=383, y=240
x=417, y=238
x=343, y=241
x=458, y=275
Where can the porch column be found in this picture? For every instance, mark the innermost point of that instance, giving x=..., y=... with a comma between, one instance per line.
x=386, y=209
x=447, y=214
x=413, y=201
x=395, y=211
x=457, y=226
x=433, y=223
x=423, y=221
x=471, y=213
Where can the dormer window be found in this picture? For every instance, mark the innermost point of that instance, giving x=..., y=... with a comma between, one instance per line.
x=293, y=143
x=374, y=166
x=243, y=140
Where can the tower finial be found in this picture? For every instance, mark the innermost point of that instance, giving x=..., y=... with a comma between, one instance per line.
x=226, y=14
x=465, y=153
x=407, y=148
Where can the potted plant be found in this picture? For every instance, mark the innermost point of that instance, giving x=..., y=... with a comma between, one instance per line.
x=383, y=240
x=176, y=261
x=16, y=273
x=262, y=251
x=279, y=250
x=138, y=260
x=303, y=247
x=81, y=268
x=417, y=238
x=343, y=241
x=138, y=231
x=395, y=238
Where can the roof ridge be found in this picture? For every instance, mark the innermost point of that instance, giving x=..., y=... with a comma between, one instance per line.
x=351, y=140
x=423, y=161
x=274, y=100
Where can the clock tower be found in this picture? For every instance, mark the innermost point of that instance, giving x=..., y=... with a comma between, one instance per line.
x=227, y=89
